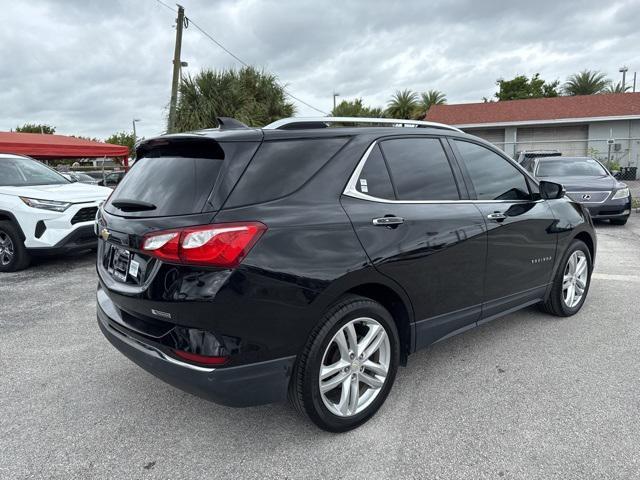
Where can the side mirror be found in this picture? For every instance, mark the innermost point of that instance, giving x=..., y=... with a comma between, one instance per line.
x=615, y=173
x=551, y=190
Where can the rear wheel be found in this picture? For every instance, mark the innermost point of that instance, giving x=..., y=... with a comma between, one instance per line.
x=571, y=283
x=348, y=366
x=13, y=254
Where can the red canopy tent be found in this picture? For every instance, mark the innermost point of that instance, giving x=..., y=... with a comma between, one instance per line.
x=48, y=147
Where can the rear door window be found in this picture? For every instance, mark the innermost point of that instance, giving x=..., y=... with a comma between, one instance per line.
x=420, y=169
x=173, y=184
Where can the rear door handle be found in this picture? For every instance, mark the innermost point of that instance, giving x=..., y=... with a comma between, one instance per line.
x=387, y=221
x=496, y=216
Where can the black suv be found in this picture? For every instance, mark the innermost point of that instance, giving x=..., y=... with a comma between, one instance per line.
x=247, y=265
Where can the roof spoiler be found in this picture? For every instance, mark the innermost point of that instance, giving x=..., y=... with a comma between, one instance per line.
x=228, y=123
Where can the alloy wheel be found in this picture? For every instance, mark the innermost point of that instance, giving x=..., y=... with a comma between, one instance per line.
x=7, y=251
x=354, y=367
x=574, y=280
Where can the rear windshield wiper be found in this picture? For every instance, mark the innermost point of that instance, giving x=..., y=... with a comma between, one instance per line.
x=132, y=205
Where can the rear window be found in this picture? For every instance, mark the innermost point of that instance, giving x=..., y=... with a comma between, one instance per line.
x=281, y=167
x=173, y=184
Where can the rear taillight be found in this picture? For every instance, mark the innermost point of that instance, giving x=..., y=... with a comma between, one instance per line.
x=218, y=245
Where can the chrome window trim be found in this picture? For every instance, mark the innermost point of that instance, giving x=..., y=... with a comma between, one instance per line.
x=591, y=192
x=398, y=122
x=352, y=191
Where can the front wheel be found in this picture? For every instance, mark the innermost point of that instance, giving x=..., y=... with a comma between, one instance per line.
x=13, y=254
x=348, y=366
x=571, y=283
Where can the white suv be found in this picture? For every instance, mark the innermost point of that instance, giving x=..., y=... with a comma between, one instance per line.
x=41, y=212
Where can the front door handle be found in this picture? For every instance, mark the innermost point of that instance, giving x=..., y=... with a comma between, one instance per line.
x=387, y=221
x=496, y=216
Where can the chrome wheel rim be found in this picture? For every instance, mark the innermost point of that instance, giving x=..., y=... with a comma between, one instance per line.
x=574, y=281
x=354, y=367
x=6, y=249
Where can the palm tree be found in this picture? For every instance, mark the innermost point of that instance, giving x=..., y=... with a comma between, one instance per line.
x=429, y=99
x=252, y=96
x=403, y=104
x=587, y=82
x=617, y=88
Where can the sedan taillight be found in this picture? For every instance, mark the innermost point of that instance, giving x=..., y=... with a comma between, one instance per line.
x=217, y=245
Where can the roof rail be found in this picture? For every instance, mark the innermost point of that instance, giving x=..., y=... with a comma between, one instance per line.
x=323, y=122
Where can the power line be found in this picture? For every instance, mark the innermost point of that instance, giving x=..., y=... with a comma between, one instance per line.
x=210, y=37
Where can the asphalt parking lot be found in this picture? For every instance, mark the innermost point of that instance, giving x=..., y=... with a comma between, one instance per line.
x=526, y=396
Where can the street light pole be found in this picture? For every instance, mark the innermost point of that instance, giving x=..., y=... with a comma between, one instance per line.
x=335, y=94
x=623, y=70
x=135, y=137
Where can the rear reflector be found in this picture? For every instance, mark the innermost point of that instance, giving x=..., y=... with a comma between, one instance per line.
x=202, y=359
x=217, y=245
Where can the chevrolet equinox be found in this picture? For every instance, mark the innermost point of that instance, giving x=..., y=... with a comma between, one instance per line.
x=308, y=260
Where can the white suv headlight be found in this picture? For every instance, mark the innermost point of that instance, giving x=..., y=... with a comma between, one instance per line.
x=46, y=204
x=622, y=193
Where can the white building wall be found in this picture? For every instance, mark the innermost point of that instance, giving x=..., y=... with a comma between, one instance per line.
x=625, y=134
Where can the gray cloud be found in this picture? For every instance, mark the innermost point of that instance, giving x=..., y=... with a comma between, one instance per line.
x=89, y=67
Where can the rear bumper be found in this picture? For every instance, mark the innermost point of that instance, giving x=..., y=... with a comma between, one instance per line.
x=241, y=386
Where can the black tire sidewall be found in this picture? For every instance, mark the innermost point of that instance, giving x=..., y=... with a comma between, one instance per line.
x=575, y=245
x=20, y=256
x=314, y=405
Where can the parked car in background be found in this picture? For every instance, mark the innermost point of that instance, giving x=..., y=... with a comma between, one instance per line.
x=244, y=265
x=112, y=179
x=80, y=177
x=42, y=212
x=587, y=182
x=525, y=155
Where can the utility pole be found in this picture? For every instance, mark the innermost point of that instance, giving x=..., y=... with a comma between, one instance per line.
x=634, y=81
x=176, y=70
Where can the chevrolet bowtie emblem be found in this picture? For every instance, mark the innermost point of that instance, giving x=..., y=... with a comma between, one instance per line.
x=105, y=234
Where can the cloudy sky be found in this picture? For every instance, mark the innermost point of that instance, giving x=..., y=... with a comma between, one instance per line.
x=89, y=67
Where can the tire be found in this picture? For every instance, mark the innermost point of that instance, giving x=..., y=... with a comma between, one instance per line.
x=13, y=254
x=557, y=304
x=325, y=348
x=619, y=221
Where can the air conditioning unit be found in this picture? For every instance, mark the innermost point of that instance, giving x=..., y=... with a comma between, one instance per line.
x=617, y=147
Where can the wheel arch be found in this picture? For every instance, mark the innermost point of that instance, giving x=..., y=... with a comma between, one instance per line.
x=588, y=240
x=8, y=216
x=394, y=303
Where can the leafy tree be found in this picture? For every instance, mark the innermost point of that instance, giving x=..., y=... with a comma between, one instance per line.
x=249, y=95
x=617, y=88
x=587, y=82
x=36, y=128
x=356, y=108
x=123, y=138
x=429, y=99
x=521, y=87
x=403, y=104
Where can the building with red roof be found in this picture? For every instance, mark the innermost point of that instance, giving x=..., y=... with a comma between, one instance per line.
x=605, y=126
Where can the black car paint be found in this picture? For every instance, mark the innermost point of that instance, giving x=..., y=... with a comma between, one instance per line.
x=319, y=245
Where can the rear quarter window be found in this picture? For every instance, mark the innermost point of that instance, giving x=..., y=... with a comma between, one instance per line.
x=280, y=167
